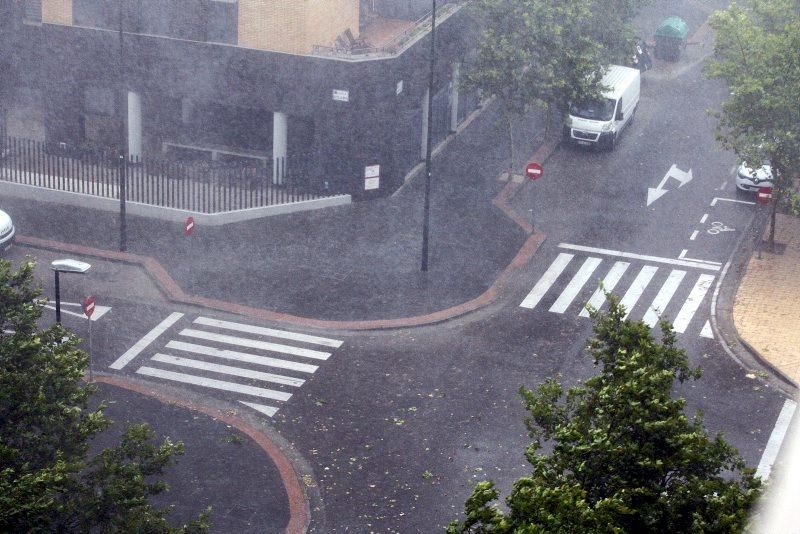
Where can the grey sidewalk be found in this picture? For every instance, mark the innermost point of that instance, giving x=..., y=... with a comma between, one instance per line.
x=352, y=262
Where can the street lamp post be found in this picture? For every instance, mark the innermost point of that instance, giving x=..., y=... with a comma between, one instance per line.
x=427, y=207
x=122, y=164
x=66, y=266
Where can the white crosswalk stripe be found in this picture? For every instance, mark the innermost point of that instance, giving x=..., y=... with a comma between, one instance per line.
x=207, y=363
x=609, y=283
x=565, y=287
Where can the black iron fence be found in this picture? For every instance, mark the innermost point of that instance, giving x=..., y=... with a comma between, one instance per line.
x=199, y=186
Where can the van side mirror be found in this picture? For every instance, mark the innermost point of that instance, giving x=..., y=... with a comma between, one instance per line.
x=619, y=116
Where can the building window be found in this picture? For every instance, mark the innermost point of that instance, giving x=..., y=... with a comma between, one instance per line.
x=33, y=11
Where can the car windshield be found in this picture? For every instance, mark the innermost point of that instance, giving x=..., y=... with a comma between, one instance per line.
x=598, y=110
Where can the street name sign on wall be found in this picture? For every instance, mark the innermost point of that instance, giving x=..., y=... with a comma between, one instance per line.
x=372, y=177
x=341, y=95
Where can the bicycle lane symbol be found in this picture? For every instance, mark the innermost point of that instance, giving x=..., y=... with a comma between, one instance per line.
x=717, y=228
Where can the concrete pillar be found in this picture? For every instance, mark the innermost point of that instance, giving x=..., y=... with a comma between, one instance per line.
x=280, y=129
x=134, y=125
x=424, y=137
x=454, y=98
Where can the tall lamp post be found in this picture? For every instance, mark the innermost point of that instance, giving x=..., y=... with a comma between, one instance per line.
x=122, y=167
x=427, y=208
x=66, y=266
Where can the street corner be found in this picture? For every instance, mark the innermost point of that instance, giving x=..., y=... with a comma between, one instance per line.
x=768, y=289
x=234, y=463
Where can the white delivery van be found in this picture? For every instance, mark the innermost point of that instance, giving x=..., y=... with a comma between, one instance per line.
x=600, y=122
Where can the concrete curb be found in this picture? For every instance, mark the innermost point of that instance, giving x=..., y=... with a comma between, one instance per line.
x=722, y=312
x=299, y=514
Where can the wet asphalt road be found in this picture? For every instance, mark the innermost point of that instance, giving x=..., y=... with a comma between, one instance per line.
x=398, y=425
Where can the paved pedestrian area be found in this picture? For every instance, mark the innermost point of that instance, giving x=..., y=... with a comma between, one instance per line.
x=765, y=309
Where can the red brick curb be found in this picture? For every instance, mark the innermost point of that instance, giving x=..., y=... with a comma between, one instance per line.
x=298, y=507
x=174, y=292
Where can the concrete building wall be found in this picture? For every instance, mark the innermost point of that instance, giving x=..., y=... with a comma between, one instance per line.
x=294, y=27
x=57, y=12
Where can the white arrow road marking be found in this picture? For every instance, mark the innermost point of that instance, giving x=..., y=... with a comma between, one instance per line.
x=657, y=192
x=99, y=311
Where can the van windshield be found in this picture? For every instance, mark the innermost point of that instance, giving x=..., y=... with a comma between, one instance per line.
x=597, y=110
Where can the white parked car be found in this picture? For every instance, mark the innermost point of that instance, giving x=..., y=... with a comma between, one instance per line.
x=6, y=231
x=749, y=179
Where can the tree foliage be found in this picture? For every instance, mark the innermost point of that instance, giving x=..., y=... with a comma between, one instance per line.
x=47, y=481
x=625, y=456
x=757, y=52
x=539, y=52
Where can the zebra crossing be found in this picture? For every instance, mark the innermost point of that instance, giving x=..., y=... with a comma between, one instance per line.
x=659, y=287
x=262, y=365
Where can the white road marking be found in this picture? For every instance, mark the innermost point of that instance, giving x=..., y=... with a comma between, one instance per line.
x=575, y=285
x=547, y=279
x=703, y=218
x=694, y=235
x=691, y=304
x=250, y=329
x=663, y=297
x=228, y=370
x=706, y=331
x=775, y=440
x=99, y=311
x=215, y=384
x=733, y=170
x=598, y=298
x=241, y=357
x=255, y=344
x=637, y=288
x=269, y=411
x=722, y=185
x=714, y=202
x=140, y=345
x=630, y=255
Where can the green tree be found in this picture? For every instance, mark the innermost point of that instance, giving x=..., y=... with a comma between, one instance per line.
x=757, y=52
x=625, y=456
x=546, y=54
x=47, y=481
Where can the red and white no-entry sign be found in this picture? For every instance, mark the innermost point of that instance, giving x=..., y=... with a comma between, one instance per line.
x=88, y=305
x=764, y=195
x=188, y=226
x=533, y=170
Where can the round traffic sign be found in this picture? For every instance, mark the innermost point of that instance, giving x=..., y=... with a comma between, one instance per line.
x=188, y=226
x=88, y=305
x=534, y=170
x=764, y=195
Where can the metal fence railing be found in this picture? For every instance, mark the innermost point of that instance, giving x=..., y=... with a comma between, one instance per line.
x=199, y=186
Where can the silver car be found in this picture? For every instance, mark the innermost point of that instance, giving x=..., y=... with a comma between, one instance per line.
x=749, y=179
x=6, y=231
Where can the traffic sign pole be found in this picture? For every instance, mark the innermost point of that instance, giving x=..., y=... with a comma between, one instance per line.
x=533, y=171
x=88, y=310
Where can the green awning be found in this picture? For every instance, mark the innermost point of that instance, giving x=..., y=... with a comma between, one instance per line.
x=672, y=27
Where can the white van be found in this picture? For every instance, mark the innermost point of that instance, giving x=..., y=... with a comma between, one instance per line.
x=600, y=123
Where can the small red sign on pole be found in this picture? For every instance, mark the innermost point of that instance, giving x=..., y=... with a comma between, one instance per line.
x=188, y=226
x=764, y=195
x=88, y=306
x=534, y=170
